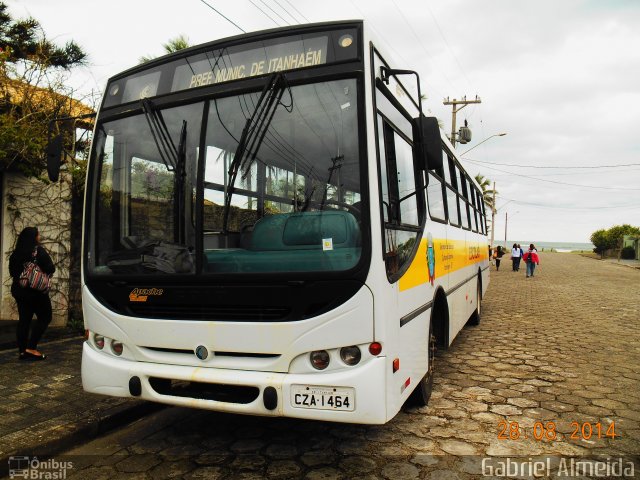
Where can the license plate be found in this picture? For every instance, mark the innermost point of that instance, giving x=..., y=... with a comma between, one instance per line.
x=323, y=398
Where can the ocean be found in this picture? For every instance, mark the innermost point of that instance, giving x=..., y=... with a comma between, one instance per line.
x=546, y=246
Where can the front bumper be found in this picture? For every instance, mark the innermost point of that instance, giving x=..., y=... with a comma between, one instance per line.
x=107, y=375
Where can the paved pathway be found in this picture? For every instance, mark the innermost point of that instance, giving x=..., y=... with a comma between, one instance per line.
x=559, y=348
x=43, y=406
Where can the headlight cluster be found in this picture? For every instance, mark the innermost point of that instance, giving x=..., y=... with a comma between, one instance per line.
x=350, y=356
x=99, y=341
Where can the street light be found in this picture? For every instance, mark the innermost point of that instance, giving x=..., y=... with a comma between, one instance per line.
x=505, y=225
x=495, y=135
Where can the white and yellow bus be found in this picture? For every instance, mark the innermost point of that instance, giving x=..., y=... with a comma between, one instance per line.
x=273, y=227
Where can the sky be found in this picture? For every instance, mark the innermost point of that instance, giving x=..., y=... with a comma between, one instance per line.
x=560, y=78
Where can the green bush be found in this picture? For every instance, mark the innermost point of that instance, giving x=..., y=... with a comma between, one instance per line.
x=628, y=253
x=612, y=238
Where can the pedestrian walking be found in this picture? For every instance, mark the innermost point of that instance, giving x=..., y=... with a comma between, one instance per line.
x=515, y=257
x=521, y=255
x=31, y=268
x=498, y=256
x=531, y=259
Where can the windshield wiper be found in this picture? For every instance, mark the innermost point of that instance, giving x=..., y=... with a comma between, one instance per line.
x=161, y=136
x=174, y=158
x=179, y=186
x=253, y=134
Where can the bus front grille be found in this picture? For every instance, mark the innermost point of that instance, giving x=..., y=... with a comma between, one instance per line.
x=218, y=392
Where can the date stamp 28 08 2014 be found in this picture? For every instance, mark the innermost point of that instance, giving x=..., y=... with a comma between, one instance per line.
x=547, y=431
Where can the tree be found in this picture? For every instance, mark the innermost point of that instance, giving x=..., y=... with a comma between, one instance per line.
x=610, y=239
x=487, y=192
x=25, y=40
x=33, y=91
x=616, y=233
x=173, y=45
x=600, y=241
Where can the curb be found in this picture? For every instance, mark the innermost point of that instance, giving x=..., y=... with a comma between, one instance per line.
x=84, y=430
x=8, y=341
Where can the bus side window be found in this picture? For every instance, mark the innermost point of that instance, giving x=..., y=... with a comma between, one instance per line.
x=474, y=210
x=400, y=204
x=453, y=207
x=464, y=206
x=483, y=215
x=435, y=198
x=399, y=175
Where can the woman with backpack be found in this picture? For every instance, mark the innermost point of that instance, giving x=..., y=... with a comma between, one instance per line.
x=30, y=300
x=531, y=259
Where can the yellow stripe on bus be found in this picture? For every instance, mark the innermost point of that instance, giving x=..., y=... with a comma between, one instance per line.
x=449, y=255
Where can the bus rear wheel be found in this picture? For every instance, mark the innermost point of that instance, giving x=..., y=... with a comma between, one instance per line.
x=421, y=395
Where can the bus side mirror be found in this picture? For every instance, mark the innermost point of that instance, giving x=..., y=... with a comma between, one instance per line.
x=429, y=143
x=54, y=157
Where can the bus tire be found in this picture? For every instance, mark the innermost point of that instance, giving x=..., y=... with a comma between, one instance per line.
x=477, y=314
x=422, y=393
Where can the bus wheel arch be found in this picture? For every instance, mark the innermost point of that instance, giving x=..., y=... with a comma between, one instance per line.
x=440, y=319
x=437, y=337
x=477, y=313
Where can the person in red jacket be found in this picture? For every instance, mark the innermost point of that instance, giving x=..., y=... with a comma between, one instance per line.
x=531, y=259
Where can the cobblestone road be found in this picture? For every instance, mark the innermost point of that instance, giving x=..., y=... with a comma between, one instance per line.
x=561, y=347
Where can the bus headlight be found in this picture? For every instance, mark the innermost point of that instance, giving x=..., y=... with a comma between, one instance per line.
x=320, y=359
x=116, y=347
x=350, y=355
x=98, y=341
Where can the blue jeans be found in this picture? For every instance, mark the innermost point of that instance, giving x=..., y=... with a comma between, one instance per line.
x=530, y=268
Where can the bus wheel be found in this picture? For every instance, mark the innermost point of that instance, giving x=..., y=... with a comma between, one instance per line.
x=477, y=314
x=420, y=396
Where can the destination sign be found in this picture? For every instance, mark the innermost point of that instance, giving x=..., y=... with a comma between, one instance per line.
x=233, y=62
x=224, y=65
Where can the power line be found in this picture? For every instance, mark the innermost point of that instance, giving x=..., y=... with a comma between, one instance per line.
x=542, y=166
x=276, y=13
x=382, y=37
x=447, y=44
x=226, y=18
x=519, y=202
x=421, y=43
x=264, y=13
x=288, y=12
x=299, y=12
x=564, y=183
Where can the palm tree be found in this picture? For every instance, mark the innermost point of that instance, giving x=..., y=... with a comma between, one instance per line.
x=487, y=192
x=173, y=45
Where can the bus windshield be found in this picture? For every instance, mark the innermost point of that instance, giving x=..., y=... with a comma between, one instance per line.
x=290, y=203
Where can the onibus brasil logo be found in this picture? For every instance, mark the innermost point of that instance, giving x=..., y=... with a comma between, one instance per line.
x=32, y=468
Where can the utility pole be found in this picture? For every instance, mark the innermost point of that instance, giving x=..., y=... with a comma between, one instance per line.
x=464, y=102
x=505, y=228
x=493, y=214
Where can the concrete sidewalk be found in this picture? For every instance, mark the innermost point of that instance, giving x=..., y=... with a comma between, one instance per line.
x=43, y=409
x=626, y=263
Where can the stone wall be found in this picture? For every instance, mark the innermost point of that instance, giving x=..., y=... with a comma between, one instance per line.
x=30, y=202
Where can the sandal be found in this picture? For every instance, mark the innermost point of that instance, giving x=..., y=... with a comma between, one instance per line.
x=31, y=356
